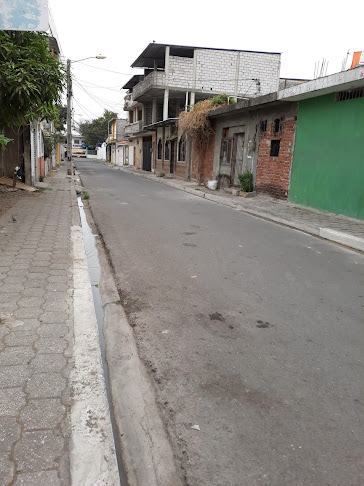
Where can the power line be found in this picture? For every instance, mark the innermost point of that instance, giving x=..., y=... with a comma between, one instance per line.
x=84, y=109
x=112, y=88
x=95, y=98
x=103, y=69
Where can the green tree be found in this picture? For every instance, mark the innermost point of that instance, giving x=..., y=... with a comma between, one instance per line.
x=31, y=81
x=62, y=117
x=95, y=131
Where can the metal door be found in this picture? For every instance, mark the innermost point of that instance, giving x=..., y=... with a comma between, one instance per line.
x=171, y=159
x=147, y=155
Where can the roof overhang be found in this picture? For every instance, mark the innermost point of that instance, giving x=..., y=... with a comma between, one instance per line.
x=353, y=78
x=245, y=105
x=156, y=52
x=132, y=81
x=163, y=123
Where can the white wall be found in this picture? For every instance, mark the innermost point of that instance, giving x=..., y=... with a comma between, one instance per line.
x=101, y=152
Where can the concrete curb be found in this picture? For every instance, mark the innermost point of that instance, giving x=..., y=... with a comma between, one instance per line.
x=345, y=239
x=92, y=450
x=92, y=453
x=342, y=238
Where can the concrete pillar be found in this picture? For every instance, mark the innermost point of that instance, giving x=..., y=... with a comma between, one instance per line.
x=166, y=90
x=186, y=104
x=236, y=87
x=154, y=110
x=165, y=103
x=194, y=74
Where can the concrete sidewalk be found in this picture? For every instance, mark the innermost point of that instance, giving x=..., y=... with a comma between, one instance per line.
x=336, y=228
x=52, y=398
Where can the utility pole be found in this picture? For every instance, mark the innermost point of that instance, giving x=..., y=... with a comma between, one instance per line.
x=69, y=110
x=69, y=118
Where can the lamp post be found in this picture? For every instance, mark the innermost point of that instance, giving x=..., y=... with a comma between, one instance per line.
x=69, y=111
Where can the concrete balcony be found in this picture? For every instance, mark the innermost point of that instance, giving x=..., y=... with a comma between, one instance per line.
x=129, y=103
x=134, y=128
x=156, y=79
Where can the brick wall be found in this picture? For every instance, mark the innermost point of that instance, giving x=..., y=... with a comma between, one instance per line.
x=273, y=173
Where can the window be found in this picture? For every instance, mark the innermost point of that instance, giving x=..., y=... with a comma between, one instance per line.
x=349, y=94
x=182, y=149
x=263, y=126
x=140, y=115
x=226, y=147
x=274, y=147
x=225, y=153
x=277, y=125
x=166, y=151
x=159, y=149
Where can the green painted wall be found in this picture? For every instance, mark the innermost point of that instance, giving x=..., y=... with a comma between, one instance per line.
x=328, y=160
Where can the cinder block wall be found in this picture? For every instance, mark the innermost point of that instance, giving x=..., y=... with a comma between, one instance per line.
x=217, y=71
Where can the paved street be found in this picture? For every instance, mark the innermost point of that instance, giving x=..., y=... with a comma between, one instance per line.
x=250, y=330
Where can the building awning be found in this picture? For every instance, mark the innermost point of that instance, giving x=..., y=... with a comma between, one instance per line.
x=163, y=123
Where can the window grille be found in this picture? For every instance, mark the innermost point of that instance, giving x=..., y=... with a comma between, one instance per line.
x=349, y=94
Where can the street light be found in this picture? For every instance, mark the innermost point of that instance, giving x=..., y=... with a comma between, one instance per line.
x=69, y=97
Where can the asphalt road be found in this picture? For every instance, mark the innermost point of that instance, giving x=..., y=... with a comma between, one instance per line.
x=250, y=330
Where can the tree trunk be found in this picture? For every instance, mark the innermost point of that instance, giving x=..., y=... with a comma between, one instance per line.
x=17, y=152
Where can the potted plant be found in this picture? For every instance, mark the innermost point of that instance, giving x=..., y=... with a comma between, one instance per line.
x=246, y=184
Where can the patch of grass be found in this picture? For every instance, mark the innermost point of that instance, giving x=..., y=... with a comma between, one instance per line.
x=86, y=195
x=118, y=302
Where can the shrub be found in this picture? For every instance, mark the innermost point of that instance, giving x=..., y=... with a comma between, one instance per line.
x=246, y=181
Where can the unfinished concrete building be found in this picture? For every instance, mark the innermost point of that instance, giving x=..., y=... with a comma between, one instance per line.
x=178, y=76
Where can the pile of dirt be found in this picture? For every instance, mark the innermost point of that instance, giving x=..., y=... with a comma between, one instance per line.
x=9, y=197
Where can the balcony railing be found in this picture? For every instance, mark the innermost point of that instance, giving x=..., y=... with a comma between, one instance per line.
x=154, y=79
x=133, y=128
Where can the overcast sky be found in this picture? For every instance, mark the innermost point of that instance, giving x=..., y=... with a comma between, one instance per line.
x=304, y=32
